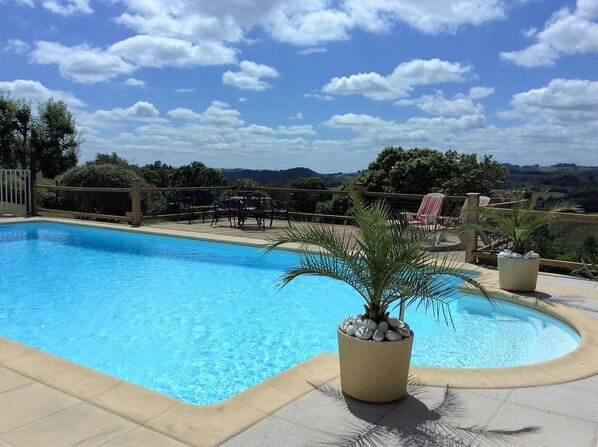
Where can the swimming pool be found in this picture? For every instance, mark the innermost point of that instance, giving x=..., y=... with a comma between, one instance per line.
x=200, y=321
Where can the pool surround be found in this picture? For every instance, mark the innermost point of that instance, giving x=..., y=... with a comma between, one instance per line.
x=210, y=425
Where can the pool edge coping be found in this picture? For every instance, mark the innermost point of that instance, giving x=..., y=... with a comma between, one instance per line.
x=210, y=425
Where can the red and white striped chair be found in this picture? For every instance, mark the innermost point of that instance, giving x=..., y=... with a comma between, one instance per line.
x=429, y=210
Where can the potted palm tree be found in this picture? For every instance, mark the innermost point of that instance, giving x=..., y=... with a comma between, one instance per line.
x=515, y=229
x=390, y=269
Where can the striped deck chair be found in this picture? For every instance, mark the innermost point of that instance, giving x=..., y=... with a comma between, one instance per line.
x=429, y=210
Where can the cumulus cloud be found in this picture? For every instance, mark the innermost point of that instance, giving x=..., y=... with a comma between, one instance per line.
x=88, y=65
x=132, y=82
x=68, y=7
x=306, y=130
x=480, y=92
x=249, y=77
x=438, y=105
x=566, y=32
x=184, y=114
x=81, y=63
x=16, y=46
x=428, y=16
x=221, y=114
x=140, y=111
x=36, y=92
x=561, y=101
x=401, y=81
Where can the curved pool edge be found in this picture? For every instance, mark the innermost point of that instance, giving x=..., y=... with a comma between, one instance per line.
x=210, y=425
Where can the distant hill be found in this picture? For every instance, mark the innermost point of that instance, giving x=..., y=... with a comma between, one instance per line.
x=285, y=176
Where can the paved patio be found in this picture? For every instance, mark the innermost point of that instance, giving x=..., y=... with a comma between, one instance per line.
x=46, y=401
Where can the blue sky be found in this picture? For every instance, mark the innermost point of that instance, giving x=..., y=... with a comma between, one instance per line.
x=323, y=84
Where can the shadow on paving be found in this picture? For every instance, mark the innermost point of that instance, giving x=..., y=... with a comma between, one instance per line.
x=413, y=424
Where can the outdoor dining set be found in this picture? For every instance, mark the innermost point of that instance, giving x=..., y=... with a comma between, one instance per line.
x=240, y=209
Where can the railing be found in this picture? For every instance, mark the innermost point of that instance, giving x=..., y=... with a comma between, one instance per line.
x=488, y=254
x=15, y=191
x=398, y=201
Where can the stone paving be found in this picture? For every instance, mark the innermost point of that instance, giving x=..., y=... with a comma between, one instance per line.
x=39, y=412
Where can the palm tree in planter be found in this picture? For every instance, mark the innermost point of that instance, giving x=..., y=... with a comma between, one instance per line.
x=390, y=268
x=515, y=229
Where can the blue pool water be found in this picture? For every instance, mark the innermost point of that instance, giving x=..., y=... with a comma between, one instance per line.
x=202, y=321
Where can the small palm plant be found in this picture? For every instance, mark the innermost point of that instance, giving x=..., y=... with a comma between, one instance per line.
x=517, y=227
x=386, y=264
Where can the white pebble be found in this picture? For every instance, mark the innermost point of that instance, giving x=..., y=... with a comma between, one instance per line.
x=383, y=326
x=364, y=333
x=350, y=330
x=370, y=324
x=378, y=335
x=392, y=336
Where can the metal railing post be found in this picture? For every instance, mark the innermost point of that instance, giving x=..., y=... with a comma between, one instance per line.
x=136, y=203
x=472, y=216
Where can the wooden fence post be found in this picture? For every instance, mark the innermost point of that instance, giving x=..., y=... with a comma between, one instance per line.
x=359, y=191
x=136, y=203
x=473, y=203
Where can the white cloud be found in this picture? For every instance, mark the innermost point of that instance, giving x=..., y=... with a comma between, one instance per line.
x=184, y=90
x=480, y=92
x=89, y=65
x=220, y=114
x=35, y=92
x=140, y=111
x=184, y=114
x=306, y=130
x=68, y=7
x=249, y=77
x=563, y=101
x=566, y=32
x=429, y=16
x=315, y=50
x=81, y=63
x=132, y=82
x=16, y=46
x=438, y=105
x=401, y=81
x=157, y=51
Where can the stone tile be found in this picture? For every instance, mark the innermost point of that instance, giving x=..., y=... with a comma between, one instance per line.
x=564, y=400
x=26, y=404
x=589, y=384
x=142, y=437
x=554, y=430
x=275, y=432
x=10, y=380
x=135, y=402
x=82, y=425
x=328, y=409
x=10, y=349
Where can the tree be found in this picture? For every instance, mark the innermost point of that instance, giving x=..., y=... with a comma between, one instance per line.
x=196, y=174
x=55, y=140
x=48, y=143
x=419, y=171
x=307, y=202
x=15, y=121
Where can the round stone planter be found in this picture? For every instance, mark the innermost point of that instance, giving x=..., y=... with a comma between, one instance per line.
x=518, y=275
x=374, y=371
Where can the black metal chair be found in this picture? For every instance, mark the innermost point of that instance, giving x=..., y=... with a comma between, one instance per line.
x=224, y=208
x=279, y=209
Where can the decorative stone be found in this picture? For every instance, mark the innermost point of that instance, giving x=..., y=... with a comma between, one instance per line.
x=378, y=335
x=357, y=323
x=364, y=333
x=392, y=336
x=393, y=322
x=350, y=330
x=517, y=256
x=370, y=324
x=404, y=331
x=383, y=326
